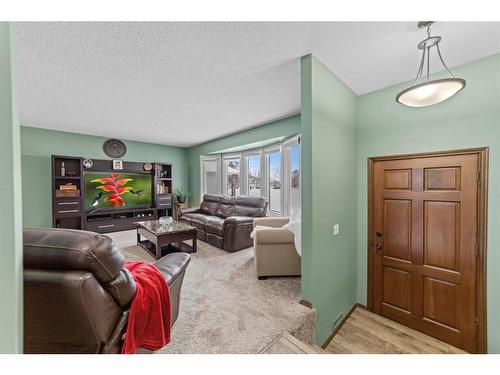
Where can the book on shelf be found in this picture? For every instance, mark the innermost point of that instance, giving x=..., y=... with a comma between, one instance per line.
x=67, y=193
x=68, y=186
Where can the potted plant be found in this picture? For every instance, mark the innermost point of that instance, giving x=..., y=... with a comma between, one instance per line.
x=181, y=195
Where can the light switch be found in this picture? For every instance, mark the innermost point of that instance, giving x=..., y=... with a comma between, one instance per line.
x=336, y=229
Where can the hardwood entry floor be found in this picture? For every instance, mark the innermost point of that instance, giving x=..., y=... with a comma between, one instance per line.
x=367, y=333
x=288, y=344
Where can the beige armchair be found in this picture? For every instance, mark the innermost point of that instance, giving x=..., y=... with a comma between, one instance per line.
x=274, y=249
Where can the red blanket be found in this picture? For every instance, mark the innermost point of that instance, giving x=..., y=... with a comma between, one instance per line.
x=149, y=319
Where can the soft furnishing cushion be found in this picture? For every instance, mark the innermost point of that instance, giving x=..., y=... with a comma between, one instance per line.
x=295, y=226
x=258, y=227
x=209, y=208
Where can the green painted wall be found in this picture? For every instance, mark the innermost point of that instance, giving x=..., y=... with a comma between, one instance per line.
x=11, y=264
x=328, y=123
x=277, y=129
x=37, y=146
x=470, y=119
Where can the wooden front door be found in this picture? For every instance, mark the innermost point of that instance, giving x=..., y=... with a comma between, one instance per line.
x=425, y=244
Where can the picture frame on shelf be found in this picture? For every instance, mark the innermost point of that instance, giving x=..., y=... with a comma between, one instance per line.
x=117, y=164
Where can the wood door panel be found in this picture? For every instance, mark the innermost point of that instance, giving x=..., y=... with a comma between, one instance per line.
x=423, y=243
x=437, y=195
x=440, y=273
x=397, y=288
x=442, y=178
x=440, y=302
x=397, y=263
x=397, y=221
x=442, y=234
x=397, y=179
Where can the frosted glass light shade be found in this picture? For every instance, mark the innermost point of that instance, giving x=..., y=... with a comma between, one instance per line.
x=430, y=92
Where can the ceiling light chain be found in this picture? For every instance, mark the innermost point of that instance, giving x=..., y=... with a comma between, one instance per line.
x=442, y=61
x=428, y=61
x=419, y=73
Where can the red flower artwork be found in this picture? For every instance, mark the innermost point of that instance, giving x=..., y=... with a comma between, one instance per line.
x=114, y=188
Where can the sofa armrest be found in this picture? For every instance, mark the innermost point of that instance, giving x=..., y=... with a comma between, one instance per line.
x=274, y=222
x=172, y=265
x=237, y=231
x=238, y=220
x=183, y=211
x=273, y=236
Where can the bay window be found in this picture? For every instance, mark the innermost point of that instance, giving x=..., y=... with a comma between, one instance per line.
x=272, y=172
x=232, y=176
x=211, y=174
x=254, y=176
x=274, y=180
x=294, y=177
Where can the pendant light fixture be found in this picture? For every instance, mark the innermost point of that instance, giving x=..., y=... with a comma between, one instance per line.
x=426, y=93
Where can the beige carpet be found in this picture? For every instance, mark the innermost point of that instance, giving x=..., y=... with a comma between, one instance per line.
x=225, y=309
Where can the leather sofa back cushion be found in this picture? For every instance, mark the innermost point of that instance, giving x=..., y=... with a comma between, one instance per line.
x=226, y=207
x=212, y=198
x=67, y=249
x=250, y=206
x=122, y=288
x=248, y=211
x=209, y=208
x=66, y=312
x=224, y=210
x=256, y=202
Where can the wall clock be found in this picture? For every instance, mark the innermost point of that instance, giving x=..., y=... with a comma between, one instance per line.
x=114, y=148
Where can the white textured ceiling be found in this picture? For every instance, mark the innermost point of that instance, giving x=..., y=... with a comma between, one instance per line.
x=186, y=83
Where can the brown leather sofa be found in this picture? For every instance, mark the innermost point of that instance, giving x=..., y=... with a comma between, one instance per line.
x=77, y=294
x=225, y=222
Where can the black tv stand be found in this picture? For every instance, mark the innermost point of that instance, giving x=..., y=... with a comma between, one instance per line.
x=117, y=220
x=69, y=212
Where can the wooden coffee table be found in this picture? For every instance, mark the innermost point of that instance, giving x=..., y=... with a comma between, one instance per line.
x=163, y=239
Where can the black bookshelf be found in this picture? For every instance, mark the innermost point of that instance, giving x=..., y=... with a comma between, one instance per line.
x=67, y=210
x=163, y=189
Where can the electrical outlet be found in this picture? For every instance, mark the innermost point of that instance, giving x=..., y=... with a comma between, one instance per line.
x=337, y=320
x=336, y=229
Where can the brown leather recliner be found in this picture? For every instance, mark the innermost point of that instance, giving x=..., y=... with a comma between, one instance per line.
x=225, y=222
x=77, y=294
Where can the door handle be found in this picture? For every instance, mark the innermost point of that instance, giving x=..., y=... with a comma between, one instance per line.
x=379, y=246
x=378, y=234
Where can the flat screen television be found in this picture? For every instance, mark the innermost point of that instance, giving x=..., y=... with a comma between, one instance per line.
x=104, y=190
